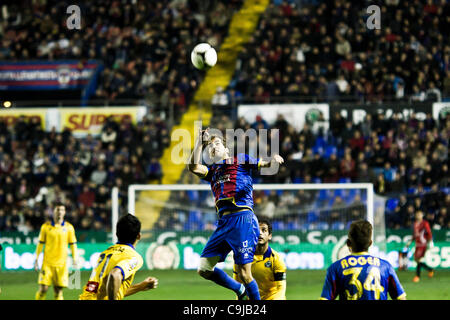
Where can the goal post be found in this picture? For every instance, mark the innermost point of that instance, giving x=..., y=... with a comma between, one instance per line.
x=312, y=206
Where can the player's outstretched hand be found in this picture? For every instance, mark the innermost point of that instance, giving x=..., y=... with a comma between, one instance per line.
x=149, y=283
x=205, y=135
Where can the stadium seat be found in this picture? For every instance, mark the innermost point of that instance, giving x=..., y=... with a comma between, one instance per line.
x=337, y=226
x=391, y=204
x=195, y=216
x=292, y=225
x=277, y=225
x=412, y=190
x=320, y=142
x=193, y=195
x=304, y=227
x=329, y=150
x=318, y=150
x=312, y=226
x=297, y=180
x=322, y=226
x=322, y=194
x=312, y=216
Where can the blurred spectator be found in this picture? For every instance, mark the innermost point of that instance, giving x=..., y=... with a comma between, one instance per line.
x=220, y=102
x=86, y=197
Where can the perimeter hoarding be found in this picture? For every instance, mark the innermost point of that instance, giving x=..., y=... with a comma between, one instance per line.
x=303, y=256
x=295, y=114
x=80, y=120
x=47, y=75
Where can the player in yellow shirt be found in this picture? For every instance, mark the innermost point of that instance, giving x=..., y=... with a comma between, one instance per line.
x=268, y=267
x=55, y=236
x=113, y=276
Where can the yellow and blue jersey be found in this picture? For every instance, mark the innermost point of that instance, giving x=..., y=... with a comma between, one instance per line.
x=56, y=238
x=232, y=182
x=269, y=271
x=121, y=256
x=360, y=276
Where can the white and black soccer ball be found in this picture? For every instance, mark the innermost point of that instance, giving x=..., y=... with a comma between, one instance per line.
x=203, y=56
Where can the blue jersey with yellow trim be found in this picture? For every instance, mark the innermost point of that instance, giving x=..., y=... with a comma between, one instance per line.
x=232, y=182
x=360, y=276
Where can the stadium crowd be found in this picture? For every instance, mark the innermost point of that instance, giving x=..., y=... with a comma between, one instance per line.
x=39, y=167
x=324, y=51
x=406, y=160
x=300, y=49
x=144, y=45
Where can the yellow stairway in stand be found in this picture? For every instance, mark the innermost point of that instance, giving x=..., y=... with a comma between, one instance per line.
x=174, y=158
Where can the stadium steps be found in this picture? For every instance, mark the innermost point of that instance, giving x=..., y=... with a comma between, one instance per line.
x=242, y=26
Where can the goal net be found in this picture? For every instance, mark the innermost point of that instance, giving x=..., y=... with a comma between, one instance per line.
x=188, y=210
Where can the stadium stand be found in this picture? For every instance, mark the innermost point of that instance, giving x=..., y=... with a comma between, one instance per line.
x=309, y=62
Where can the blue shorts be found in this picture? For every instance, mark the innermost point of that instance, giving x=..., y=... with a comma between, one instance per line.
x=238, y=232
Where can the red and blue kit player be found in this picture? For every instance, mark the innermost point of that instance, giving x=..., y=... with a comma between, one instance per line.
x=423, y=238
x=360, y=276
x=237, y=230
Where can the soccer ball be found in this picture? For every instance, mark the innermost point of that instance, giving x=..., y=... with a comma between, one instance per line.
x=203, y=56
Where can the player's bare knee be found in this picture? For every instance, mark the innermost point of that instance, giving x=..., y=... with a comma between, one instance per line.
x=206, y=267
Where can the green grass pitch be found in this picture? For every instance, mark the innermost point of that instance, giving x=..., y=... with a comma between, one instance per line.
x=187, y=285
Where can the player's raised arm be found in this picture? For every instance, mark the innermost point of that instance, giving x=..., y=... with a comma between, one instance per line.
x=149, y=283
x=275, y=159
x=195, y=165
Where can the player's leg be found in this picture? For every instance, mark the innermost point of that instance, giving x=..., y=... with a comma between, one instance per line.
x=421, y=264
x=243, y=241
x=42, y=292
x=216, y=250
x=208, y=270
x=418, y=256
x=44, y=281
x=58, y=293
x=61, y=280
x=245, y=273
x=206, y=267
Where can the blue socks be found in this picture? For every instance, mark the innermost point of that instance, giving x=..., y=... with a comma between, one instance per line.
x=223, y=279
x=252, y=290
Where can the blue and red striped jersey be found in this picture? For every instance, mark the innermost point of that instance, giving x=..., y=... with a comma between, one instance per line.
x=232, y=182
x=360, y=276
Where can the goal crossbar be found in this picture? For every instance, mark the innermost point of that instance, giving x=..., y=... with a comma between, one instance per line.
x=205, y=187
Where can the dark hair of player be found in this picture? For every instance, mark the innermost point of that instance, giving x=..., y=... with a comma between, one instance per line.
x=360, y=235
x=128, y=228
x=58, y=204
x=266, y=222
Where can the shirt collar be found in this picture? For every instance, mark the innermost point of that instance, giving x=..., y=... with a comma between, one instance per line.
x=362, y=253
x=268, y=253
x=125, y=243
x=53, y=222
